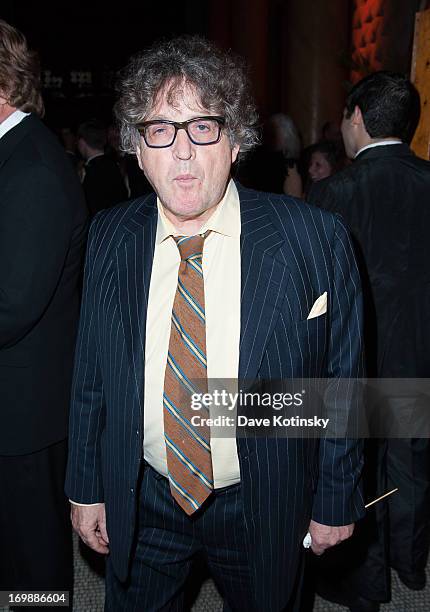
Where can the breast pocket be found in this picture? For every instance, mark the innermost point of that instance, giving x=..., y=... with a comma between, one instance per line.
x=312, y=325
x=309, y=337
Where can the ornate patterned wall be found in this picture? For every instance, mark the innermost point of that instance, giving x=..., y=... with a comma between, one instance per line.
x=420, y=76
x=367, y=37
x=381, y=35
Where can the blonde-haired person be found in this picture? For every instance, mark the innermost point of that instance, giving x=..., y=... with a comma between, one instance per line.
x=42, y=237
x=283, y=136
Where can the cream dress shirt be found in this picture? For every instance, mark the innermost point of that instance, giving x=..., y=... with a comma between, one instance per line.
x=221, y=273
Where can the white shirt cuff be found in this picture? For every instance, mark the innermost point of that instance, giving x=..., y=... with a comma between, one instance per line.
x=76, y=503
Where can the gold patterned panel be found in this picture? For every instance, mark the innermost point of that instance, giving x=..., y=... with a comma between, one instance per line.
x=420, y=76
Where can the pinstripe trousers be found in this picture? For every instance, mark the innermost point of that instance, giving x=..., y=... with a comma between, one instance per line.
x=166, y=542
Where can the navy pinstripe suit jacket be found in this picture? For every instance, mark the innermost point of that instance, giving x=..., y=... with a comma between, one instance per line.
x=290, y=254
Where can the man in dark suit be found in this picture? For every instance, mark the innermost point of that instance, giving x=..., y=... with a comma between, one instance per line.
x=275, y=295
x=103, y=183
x=383, y=198
x=43, y=223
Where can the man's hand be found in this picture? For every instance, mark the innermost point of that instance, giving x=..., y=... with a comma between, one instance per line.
x=325, y=536
x=293, y=183
x=89, y=522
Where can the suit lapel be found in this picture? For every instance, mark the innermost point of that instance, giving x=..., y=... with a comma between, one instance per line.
x=264, y=279
x=134, y=265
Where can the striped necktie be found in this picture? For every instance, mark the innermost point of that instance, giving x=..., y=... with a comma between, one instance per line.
x=188, y=450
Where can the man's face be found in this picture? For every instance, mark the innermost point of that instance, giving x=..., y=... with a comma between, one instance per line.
x=189, y=179
x=5, y=109
x=349, y=135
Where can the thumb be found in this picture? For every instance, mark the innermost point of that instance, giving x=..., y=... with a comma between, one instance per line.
x=103, y=531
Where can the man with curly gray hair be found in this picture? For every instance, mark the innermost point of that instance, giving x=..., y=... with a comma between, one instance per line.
x=219, y=78
x=201, y=282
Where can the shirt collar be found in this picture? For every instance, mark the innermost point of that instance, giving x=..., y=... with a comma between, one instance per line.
x=225, y=219
x=381, y=143
x=13, y=120
x=93, y=157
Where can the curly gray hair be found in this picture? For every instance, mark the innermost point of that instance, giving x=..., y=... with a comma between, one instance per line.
x=219, y=78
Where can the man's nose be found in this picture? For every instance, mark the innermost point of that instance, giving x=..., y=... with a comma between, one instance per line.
x=183, y=148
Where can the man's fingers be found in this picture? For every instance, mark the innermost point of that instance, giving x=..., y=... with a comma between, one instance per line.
x=91, y=539
x=90, y=524
x=102, y=539
x=317, y=550
x=326, y=536
x=103, y=532
x=321, y=546
x=94, y=540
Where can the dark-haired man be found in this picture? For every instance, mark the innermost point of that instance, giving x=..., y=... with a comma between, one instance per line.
x=102, y=182
x=43, y=223
x=384, y=197
x=201, y=281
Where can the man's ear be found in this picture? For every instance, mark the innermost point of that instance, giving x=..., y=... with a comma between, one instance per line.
x=357, y=116
x=139, y=156
x=5, y=108
x=82, y=145
x=234, y=153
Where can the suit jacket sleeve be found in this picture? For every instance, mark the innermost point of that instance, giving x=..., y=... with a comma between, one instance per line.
x=338, y=499
x=87, y=410
x=35, y=230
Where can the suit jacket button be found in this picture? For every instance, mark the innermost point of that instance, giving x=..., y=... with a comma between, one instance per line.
x=132, y=491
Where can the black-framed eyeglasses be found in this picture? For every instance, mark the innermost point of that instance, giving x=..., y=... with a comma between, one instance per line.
x=160, y=133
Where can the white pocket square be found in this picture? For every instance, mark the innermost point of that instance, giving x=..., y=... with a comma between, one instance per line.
x=320, y=306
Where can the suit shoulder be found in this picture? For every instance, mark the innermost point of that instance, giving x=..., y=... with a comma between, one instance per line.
x=292, y=216
x=28, y=174
x=109, y=227
x=340, y=179
x=369, y=172
x=339, y=187
x=37, y=149
x=41, y=144
x=297, y=211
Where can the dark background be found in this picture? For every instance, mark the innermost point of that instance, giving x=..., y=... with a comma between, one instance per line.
x=96, y=38
x=302, y=54
x=96, y=34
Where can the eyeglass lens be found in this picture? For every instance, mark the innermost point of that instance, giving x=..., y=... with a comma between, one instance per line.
x=201, y=131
